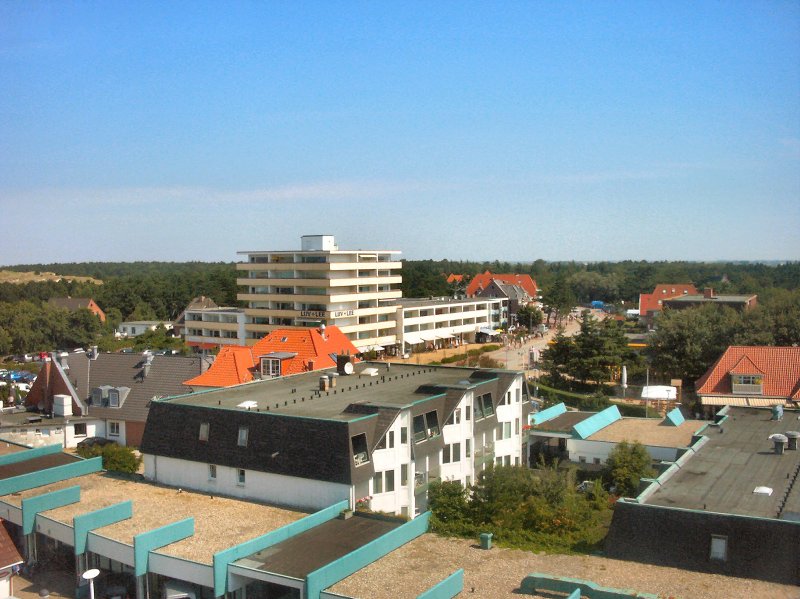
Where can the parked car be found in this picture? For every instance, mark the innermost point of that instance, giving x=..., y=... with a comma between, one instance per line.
x=95, y=441
x=24, y=387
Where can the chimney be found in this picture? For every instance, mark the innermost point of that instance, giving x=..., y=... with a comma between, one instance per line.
x=792, y=436
x=324, y=381
x=310, y=365
x=322, y=330
x=148, y=361
x=341, y=360
x=93, y=353
x=708, y=293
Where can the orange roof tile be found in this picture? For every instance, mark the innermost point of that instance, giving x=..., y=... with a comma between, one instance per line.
x=780, y=367
x=649, y=302
x=454, y=278
x=9, y=554
x=235, y=364
x=483, y=280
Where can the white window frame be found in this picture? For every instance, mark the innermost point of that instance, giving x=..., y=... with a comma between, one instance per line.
x=112, y=425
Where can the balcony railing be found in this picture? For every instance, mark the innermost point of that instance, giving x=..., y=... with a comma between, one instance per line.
x=748, y=389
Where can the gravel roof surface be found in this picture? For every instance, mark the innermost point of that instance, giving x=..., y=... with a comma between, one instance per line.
x=425, y=561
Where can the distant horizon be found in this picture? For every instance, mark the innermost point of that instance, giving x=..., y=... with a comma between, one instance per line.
x=562, y=132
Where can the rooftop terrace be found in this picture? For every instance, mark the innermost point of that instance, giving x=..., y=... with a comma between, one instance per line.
x=739, y=457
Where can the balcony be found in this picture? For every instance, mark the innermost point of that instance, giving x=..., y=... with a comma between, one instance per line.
x=484, y=455
x=743, y=389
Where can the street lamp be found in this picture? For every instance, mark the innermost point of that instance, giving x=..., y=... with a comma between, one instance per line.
x=90, y=575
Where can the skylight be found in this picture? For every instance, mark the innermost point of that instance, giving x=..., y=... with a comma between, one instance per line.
x=762, y=491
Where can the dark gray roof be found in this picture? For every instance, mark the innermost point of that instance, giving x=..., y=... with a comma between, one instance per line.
x=722, y=475
x=165, y=377
x=69, y=303
x=563, y=423
x=295, y=430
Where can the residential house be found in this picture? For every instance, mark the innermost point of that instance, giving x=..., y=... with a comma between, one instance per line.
x=755, y=376
x=651, y=304
x=135, y=328
x=77, y=303
x=515, y=295
x=587, y=438
x=374, y=434
x=282, y=352
x=483, y=280
x=201, y=302
x=102, y=394
x=737, y=302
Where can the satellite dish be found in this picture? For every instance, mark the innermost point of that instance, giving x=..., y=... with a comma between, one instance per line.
x=348, y=368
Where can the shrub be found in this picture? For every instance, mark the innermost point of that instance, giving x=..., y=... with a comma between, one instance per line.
x=116, y=458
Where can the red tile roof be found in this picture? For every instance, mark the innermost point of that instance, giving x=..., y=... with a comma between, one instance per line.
x=481, y=281
x=9, y=555
x=454, y=278
x=780, y=367
x=649, y=302
x=235, y=364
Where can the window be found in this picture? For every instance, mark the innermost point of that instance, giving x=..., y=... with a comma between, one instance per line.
x=426, y=426
x=516, y=426
x=506, y=430
x=240, y=476
x=389, y=486
x=507, y=460
x=113, y=429
x=468, y=448
x=488, y=406
x=419, y=428
x=446, y=454
x=596, y=460
x=467, y=412
x=242, y=441
x=377, y=483
x=404, y=435
x=382, y=443
x=403, y=475
x=270, y=367
x=478, y=407
x=80, y=429
x=212, y=472
x=113, y=398
x=582, y=459
x=391, y=439
x=204, y=431
x=518, y=397
x=432, y=421
x=359, y=444
x=456, y=452
x=719, y=548
x=455, y=417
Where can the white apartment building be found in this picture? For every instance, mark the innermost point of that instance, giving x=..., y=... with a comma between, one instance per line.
x=377, y=436
x=444, y=318
x=206, y=327
x=321, y=284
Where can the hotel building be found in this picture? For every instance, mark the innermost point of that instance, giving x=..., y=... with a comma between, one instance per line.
x=321, y=284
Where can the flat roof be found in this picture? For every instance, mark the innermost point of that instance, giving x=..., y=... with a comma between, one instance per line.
x=648, y=431
x=690, y=299
x=220, y=522
x=394, y=386
x=35, y=464
x=300, y=555
x=562, y=423
x=723, y=473
x=415, y=567
x=9, y=447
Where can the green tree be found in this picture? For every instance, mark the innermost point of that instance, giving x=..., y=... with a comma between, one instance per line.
x=116, y=458
x=5, y=341
x=448, y=501
x=558, y=299
x=627, y=464
x=530, y=317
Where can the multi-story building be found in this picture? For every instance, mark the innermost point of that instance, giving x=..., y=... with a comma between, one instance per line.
x=321, y=284
x=447, y=320
x=208, y=328
x=375, y=433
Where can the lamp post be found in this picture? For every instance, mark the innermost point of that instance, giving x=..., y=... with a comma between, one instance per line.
x=90, y=575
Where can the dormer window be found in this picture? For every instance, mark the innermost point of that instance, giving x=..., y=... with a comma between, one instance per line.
x=270, y=367
x=242, y=440
x=113, y=398
x=747, y=383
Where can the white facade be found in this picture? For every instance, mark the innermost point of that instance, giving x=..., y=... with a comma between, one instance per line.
x=321, y=284
x=586, y=451
x=245, y=484
x=420, y=321
x=139, y=327
x=53, y=433
x=220, y=326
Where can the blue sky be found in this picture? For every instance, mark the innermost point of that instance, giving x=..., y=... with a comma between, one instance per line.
x=511, y=131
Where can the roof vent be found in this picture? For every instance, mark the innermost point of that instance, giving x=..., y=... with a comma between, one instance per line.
x=762, y=491
x=247, y=405
x=369, y=372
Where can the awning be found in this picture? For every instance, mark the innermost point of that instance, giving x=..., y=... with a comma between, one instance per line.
x=412, y=338
x=487, y=331
x=372, y=348
x=428, y=336
x=445, y=335
x=745, y=402
x=201, y=345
